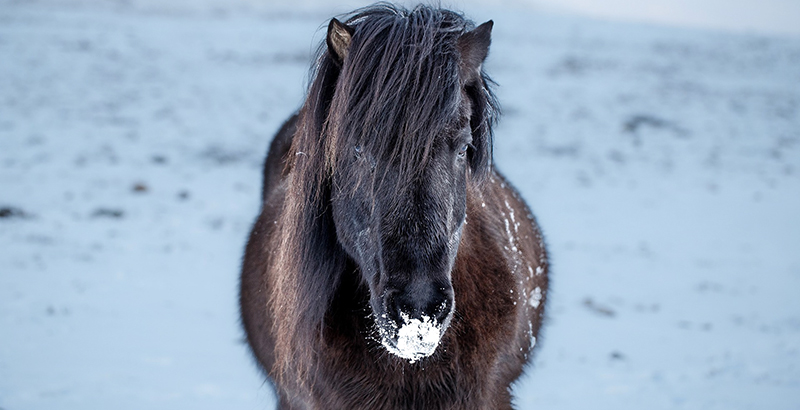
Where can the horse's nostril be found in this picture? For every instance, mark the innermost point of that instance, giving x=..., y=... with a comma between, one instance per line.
x=442, y=310
x=394, y=309
x=434, y=305
x=440, y=307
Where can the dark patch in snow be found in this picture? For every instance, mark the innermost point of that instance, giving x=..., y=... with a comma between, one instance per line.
x=598, y=309
x=52, y=311
x=637, y=124
x=258, y=58
x=707, y=286
x=140, y=187
x=560, y=151
x=108, y=213
x=223, y=156
x=9, y=212
x=579, y=66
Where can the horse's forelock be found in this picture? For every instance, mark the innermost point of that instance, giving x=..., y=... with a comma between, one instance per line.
x=399, y=88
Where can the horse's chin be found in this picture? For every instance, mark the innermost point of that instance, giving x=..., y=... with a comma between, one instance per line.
x=412, y=340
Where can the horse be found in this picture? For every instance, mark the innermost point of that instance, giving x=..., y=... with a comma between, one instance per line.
x=391, y=265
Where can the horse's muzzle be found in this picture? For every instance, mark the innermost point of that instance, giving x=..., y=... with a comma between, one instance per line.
x=414, y=322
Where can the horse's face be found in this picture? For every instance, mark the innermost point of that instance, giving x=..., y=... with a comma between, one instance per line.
x=405, y=240
x=399, y=198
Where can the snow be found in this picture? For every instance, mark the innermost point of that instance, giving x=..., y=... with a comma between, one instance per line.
x=536, y=298
x=662, y=164
x=416, y=339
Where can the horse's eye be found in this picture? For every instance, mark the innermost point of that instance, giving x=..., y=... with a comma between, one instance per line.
x=462, y=152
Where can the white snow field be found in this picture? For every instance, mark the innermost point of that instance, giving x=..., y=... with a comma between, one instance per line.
x=663, y=164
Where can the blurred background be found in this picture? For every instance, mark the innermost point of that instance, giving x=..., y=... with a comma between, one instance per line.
x=658, y=143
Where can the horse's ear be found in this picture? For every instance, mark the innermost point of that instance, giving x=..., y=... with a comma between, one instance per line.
x=473, y=46
x=338, y=39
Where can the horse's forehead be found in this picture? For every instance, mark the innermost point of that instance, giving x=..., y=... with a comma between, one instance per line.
x=410, y=132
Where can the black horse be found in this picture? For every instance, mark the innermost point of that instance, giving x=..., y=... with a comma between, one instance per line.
x=392, y=267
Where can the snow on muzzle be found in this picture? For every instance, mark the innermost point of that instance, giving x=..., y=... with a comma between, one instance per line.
x=413, y=339
x=414, y=333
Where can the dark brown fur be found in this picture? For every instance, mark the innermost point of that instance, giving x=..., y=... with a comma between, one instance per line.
x=306, y=303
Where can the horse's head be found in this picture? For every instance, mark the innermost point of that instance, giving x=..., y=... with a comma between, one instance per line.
x=409, y=130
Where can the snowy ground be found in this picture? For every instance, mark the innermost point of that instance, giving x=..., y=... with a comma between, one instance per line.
x=663, y=164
